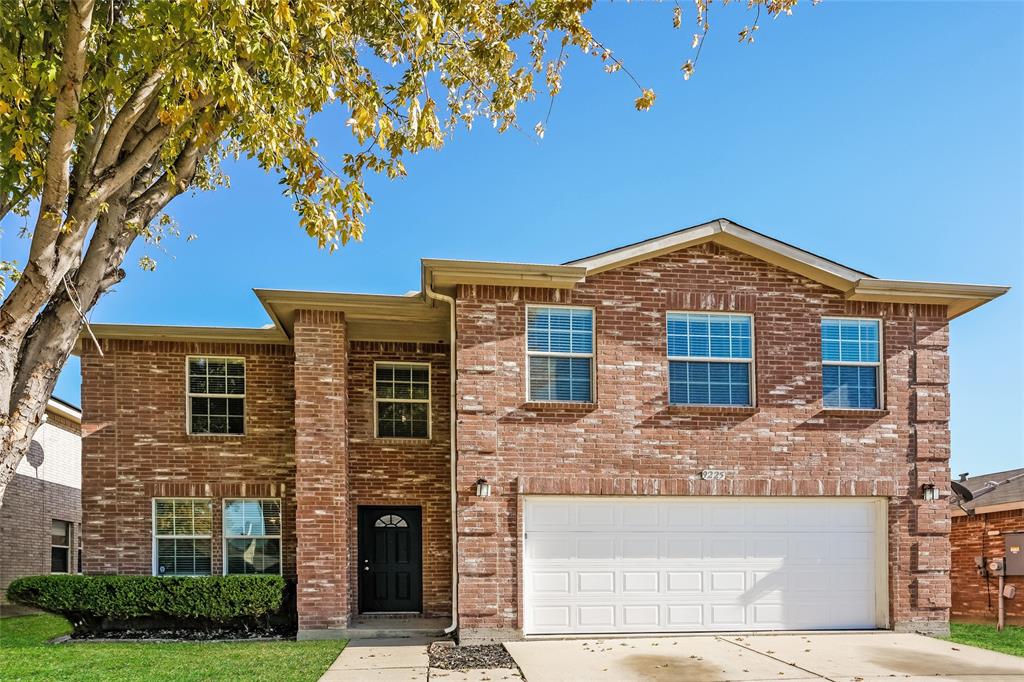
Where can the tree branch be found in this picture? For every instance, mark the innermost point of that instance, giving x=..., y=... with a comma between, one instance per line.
x=65, y=127
x=43, y=270
x=126, y=118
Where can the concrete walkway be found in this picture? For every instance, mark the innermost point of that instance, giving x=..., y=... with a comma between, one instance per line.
x=402, y=660
x=867, y=657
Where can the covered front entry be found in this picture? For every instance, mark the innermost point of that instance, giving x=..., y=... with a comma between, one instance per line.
x=615, y=565
x=390, y=560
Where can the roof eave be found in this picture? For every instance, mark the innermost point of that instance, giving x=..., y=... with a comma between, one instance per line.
x=958, y=298
x=155, y=332
x=64, y=410
x=443, y=274
x=381, y=317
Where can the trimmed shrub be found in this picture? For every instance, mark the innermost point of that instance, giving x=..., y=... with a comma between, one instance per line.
x=92, y=603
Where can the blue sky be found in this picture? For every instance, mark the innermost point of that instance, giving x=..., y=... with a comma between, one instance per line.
x=887, y=136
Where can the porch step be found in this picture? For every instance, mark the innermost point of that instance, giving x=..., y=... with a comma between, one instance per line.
x=389, y=627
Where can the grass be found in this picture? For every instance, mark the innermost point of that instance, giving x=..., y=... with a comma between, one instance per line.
x=1009, y=641
x=26, y=656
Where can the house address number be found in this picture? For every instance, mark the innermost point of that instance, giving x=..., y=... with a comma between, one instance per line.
x=713, y=475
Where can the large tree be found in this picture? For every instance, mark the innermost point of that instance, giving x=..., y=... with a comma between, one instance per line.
x=109, y=110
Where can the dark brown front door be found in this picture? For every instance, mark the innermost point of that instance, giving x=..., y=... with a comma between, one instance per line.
x=390, y=559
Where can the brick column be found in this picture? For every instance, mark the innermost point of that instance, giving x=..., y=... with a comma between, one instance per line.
x=486, y=583
x=321, y=473
x=927, y=533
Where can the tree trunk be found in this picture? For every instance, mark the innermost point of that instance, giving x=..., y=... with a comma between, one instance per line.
x=18, y=429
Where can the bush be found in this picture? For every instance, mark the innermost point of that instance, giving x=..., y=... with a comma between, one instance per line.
x=93, y=602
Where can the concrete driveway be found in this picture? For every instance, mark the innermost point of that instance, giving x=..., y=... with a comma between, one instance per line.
x=841, y=657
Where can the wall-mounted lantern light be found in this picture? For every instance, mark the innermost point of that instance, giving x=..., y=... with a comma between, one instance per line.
x=483, y=488
x=929, y=492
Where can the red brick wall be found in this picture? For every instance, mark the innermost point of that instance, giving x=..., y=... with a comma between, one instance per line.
x=135, y=446
x=630, y=441
x=974, y=597
x=321, y=454
x=403, y=471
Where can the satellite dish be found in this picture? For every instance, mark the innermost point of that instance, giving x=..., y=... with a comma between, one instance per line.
x=962, y=492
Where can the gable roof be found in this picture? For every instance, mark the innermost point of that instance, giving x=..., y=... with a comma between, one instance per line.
x=735, y=237
x=415, y=317
x=856, y=285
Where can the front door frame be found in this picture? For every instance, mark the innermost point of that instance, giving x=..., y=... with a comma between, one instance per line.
x=414, y=515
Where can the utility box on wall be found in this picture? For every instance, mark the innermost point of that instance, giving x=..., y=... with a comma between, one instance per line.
x=1014, y=553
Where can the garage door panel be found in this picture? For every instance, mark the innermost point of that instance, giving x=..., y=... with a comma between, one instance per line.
x=551, y=583
x=602, y=582
x=619, y=565
x=642, y=516
x=683, y=547
x=546, y=617
x=643, y=547
x=684, y=616
x=593, y=548
x=546, y=549
x=596, y=517
x=726, y=616
x=724, y=517
x=726, y=548
x=768, y=516
x=548, y=515
x=641, y=616
x=640, y=581
x=596, y=616
x=684, y=517
x=683, y=581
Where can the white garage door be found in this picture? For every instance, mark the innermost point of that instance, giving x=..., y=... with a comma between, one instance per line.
x=612, y=564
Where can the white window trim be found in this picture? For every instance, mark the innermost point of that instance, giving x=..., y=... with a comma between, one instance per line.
x=418, y=401
x=67, y=548
x=752, y=372
x=156, y=538
x=879, y=374
x=226, y=537
x=189, y=395
x=545, y=354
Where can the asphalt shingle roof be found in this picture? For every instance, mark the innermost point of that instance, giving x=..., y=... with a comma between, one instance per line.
x=1011, y=492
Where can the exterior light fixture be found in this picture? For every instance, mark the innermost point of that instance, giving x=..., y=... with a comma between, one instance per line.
x=483, y=488
x=929, y=492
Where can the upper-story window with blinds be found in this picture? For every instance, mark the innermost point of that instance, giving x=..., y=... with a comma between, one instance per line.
x=710, y=359
x=559, y=354
x=851, y=363
x=216, y=396
x=402, y=399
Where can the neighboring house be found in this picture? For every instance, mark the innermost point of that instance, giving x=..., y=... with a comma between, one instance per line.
x=710, y=430
x=41, y=516
x=983, y=534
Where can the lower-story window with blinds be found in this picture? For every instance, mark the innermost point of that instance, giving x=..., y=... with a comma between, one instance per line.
x=252, y=536
x=182, y=536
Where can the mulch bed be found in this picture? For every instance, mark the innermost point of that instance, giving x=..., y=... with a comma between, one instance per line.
x=447, y=656
x=178, y=635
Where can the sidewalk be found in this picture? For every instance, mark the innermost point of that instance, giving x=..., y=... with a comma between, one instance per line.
x=402, y=660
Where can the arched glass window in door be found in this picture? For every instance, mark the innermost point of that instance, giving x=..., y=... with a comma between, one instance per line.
x=390, y=521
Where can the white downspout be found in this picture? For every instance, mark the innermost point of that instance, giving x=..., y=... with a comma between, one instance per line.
x=451, y=418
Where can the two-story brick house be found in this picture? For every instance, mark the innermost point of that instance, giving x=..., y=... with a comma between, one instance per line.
x=711, y=430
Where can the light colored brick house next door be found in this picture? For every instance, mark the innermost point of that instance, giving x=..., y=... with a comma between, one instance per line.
x=707, y=431
x=41, y=519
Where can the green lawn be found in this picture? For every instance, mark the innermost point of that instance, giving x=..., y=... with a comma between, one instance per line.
x=25, y=655
x=1009, y=641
